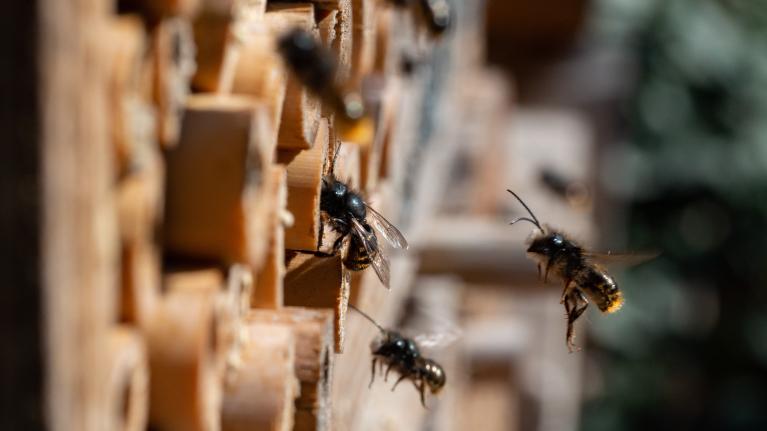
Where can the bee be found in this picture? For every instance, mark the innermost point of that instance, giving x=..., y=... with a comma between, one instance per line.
x=403, y=355
x=348, y=213
x=315, y=67
x=584, y=279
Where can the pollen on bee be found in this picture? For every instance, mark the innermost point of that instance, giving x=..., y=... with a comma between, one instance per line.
x=616, y=302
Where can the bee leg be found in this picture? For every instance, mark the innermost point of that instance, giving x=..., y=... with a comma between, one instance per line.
x=574, y=311
x=401, y=378
x=373, y=372
x=546, y=273
x=539, y=271
x=421, y=389
x=565, y=291
x=386, y=376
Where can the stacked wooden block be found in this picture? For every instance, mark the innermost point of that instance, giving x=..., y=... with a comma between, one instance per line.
x=224, y=307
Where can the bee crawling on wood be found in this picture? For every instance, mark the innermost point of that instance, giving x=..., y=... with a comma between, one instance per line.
x=584, y=279
x=402, y=355
x=348, y=213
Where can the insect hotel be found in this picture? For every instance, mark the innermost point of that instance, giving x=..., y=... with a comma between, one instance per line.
x=175, y=268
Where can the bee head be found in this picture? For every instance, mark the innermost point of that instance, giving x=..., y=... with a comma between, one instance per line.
x=356, y=206
x=434, y=375
x=333, y=195
x=546, y=244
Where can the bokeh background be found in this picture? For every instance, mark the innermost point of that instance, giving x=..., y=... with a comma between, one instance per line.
x=673, y=95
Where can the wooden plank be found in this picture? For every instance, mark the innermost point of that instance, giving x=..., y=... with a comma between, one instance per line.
x=319, y=282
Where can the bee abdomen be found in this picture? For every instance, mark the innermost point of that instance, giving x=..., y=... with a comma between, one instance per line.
x=602, y=290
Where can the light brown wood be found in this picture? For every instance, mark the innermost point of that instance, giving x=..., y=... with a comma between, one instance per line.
x=319, y=282
x=348, y=164
x=314, y=361
x=140, y=282
x=125, y=383
x=305, y=171
x=185, y=391
x=129, y=111
x=301, y=111
x=364, y=44
x=212, y=175
x=264, y=386
x=155, y=10
x=268, y=291
x=173, y=66
x=212, y=29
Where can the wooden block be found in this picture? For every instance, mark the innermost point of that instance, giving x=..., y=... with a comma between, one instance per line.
x=301, y=110
x=184, y=388
x=212, y=179
x=256, y=70
x=173, y=67
x=212, y=29
x=319, y=282
x=140, y=196
x=313, y=330
x=262, y=393
x=305, y=171
x=140, y=283
x=156, y=10
x=271, y=206
x=364, y=44
x=131, y=126
x=125, y=384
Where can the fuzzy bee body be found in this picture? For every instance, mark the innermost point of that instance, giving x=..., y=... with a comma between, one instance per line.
x=348, y=214
x=583, y=278
x=402, y=355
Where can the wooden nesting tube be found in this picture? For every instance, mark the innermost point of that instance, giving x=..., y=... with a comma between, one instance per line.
x=301, y=110
x=183, y=347
x=173, y=67
x=335, y=26
x=268, y=292
x=210, y=281
x=319, y=282
x=305, y=170
x=156, y=10
x=364, y=46
x=212, y=28
x=263, y=388
x=126, y=104
x=212, y=179
x=313, y=330
x=125, y=382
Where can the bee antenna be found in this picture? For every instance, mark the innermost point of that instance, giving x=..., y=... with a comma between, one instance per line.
x=335, y=156
x=533, y=220
x=366, y=316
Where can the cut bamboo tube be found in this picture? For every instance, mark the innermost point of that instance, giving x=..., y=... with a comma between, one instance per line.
x=173, y=67
x=268, y=291
x=210, y=281
x=314, y=361
x=257, y=71
x=319, y=282
x=140, y=283
x=140, y=198
x=131, y=125
x=183, y=347
x=301, y=111
x=262, y=393
x=364, y=43
x=212, y=35
x=340, y=13
x=212, y=176
x=156, y=10
x=125, y=383
x=305, y=171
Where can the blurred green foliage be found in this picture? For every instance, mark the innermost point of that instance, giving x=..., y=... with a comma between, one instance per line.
x=689, y=351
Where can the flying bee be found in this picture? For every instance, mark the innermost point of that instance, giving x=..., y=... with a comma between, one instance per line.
x=348, y=213
x=315, y=67
x=584, y=279
x=403, y=355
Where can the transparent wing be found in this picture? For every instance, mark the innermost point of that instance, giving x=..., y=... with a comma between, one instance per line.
x=438, y=340
x=623, y=259
x=392, y=234
x=377, y=258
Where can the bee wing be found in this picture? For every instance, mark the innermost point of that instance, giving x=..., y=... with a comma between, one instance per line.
x=438, y=340
x=623, y=259
x=377, y=258
x=392, y=234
